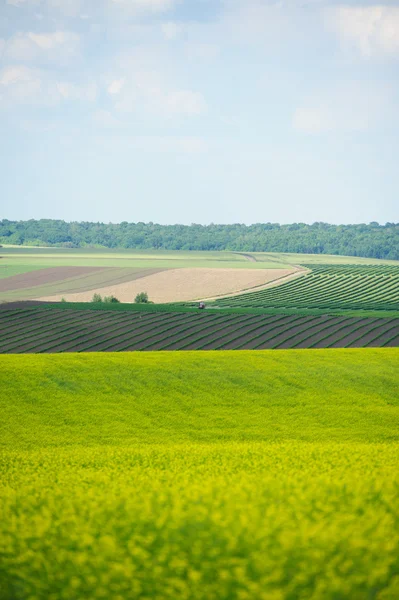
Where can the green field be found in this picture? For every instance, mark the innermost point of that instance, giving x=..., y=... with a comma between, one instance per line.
x=24, y=256
x=149, y=259
x=218, y=476
x=326, y=287
x=320, y=259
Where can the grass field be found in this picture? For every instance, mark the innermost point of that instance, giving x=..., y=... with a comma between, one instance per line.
x=217, y=476
x=38, y=329
x=319, y=259
x=150, y=259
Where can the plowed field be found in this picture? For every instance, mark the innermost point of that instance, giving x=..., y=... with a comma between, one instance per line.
x=66, y=280
x=176, y=285
x=37, y=329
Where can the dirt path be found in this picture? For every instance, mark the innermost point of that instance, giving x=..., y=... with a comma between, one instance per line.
x=247, y=256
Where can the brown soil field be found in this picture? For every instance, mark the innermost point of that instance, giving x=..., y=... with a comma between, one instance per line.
x=193, y=336
x=39, y=329
x=44, y=276
x=298, y=334
x=261, y=337
x=375, y=337
x=318, y=337
x=239, y=336
x=179, y=285
x=77, y=280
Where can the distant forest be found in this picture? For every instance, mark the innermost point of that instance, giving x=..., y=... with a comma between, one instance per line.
x=371, y=240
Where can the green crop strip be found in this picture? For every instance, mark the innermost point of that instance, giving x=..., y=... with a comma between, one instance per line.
x=203, y=334
x=328, y=322
x=148, y=329
x=273, y=325
x=332, y=329
x=59, y=329
x=120, y=329
x=329, y=287
x=314, y=328
x=138, y=328
x=180, y=322
x=67, y=334
x=380, y=332
x=304, y=322
x=247, y=330
x=72, y=342
x=368, y=325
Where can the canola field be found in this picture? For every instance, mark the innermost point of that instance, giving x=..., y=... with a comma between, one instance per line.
x=206, y=476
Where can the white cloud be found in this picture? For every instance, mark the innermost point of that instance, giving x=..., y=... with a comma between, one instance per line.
x=171, y=30
x=21, y=2
x=142, y=6
x=56, y=47
x=267, y=22
x=371, y=30
x=116, y=86
x=202, y=51
x=353, y=107
x=70, y=8
x=183, y=102
x=167, y=144
x=104, y=119
x=141, y=97
x=20, y=85
x=76, y=8
x=71, y=91
x=137, y=88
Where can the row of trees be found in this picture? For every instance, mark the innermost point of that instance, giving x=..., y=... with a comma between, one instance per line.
x=369, y=240
x=141, y=298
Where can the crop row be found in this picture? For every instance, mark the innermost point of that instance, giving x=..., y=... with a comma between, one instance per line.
x=329, y=287
x=38, y=331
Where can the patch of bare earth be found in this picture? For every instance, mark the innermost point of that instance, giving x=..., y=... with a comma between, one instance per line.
x=178, y=285
x=44, y=276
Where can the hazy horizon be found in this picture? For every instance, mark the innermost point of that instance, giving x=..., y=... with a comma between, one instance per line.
x=203, y=224
x=206, y=111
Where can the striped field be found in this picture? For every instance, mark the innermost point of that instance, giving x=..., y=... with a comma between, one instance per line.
x=329, y=287
x=37, y=329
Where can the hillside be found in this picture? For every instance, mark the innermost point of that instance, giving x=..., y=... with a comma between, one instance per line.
x=220, y=476
x=65, y=327
x=170, y=397
x=329, y=287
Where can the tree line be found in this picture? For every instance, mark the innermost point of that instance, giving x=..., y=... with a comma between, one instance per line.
x=370, y=240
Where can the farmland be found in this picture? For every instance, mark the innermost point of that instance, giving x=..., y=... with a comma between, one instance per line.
x=330, y=287
x=75, y=274
x=50, y=274
x=219, y=476
x=173, y=285
x=38, y=329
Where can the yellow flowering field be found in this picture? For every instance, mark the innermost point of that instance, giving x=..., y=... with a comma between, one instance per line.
x=222, y=475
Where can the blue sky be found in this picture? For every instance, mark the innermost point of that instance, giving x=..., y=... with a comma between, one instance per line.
x=181, y=111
